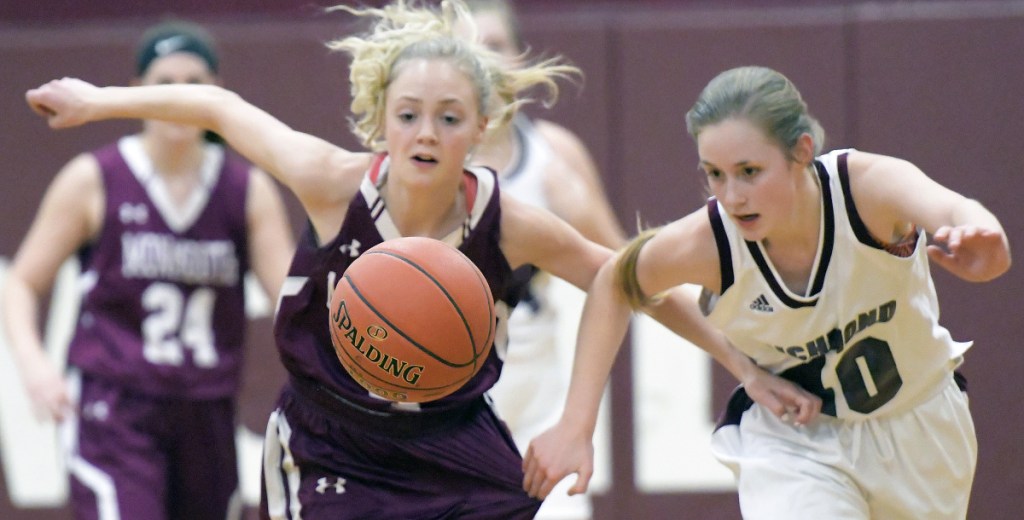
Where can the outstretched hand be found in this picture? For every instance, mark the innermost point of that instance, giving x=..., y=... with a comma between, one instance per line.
x=782, y=397
x=973, y=253
x=62, y=101
x=552, y=456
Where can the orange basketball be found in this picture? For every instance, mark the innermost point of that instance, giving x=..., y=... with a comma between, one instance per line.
x=412, y=319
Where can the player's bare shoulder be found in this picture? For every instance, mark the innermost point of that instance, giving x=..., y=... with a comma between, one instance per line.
x=78, y=188
x=516, y=220
x=83, y=171
x=345, y=170
x=684, y=251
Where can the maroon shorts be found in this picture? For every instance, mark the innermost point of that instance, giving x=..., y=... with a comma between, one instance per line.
x=135, y=456
x=327, y=463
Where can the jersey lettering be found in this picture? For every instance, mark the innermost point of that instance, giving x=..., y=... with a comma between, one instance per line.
x=836, y=340
x=175, y=323
x=868, y=375
x=161, y=256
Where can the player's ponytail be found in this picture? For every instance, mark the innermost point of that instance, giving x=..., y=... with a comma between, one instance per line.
x=625, y=270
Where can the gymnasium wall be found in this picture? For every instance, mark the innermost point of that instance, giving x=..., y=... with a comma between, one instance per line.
x=938, y=83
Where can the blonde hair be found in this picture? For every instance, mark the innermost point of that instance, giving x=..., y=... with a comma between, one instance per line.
x=625, y=270
x=403, y=32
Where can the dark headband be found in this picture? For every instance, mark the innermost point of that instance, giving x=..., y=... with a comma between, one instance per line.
x=170, y=42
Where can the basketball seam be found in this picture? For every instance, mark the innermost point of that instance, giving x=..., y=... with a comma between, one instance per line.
x=447, y=295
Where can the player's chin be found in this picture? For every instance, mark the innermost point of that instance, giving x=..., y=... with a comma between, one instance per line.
x=177, y=133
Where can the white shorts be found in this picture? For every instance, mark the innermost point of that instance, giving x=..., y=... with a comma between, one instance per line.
x=919, y=464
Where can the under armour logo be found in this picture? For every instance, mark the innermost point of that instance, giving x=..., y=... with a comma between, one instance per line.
x=323, y=484
x=129, y=213
x=351, y=249
x=96, y=410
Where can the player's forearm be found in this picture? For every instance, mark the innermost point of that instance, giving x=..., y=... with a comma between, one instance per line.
x=602, y=328
x=970, y=212
x=21, y=321
x=205, y=106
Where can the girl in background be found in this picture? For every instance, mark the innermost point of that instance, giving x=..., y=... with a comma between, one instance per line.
x=165, y=224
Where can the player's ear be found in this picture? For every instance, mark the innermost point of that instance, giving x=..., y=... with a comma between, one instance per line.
x=803, y=150
x=481, y=130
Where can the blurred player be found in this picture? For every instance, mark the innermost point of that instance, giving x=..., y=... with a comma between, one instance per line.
x=165, y=224
x=543, y=164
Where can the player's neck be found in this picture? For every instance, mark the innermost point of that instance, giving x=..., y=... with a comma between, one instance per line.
x=178, y=166
x=174, y=159
x=417, y=214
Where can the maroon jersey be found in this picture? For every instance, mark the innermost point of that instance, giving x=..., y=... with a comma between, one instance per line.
x=303, y=336
x=163, y=308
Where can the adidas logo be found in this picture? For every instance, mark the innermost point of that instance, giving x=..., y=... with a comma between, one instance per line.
x=761, y=304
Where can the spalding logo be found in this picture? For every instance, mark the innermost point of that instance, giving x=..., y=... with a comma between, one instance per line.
x=396, y=368
x=377, y=332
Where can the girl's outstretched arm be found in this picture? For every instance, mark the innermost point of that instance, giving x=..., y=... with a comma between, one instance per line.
x=893, y=194
x=311, y=167
x=568, y=446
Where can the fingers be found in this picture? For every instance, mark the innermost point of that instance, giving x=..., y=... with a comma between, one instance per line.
x=797, y=406
x=973, y=254
x=807, y=410
x=49, y=408
x=939, y=256
x=33, y=98
x=534, y=479
x=582, y=482
x=50, y=396
x=539, y=484
x=63, y=407
x=39, y=102
x=952, y=238
x=44, y=111
x=46, y=99
x=941, y=235
x=538, y=481
x=529, y=469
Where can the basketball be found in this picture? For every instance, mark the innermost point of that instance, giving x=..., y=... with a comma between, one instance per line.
x=412, y=319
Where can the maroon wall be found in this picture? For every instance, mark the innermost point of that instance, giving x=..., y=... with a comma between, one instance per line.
x=936, y=83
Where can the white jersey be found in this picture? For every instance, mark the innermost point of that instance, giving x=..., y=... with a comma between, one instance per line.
x=536, y=316
x=524, y=179
x=865, y=336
